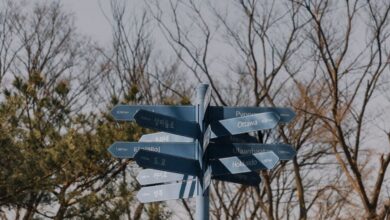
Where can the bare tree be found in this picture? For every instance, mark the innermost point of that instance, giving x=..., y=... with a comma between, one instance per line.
x=261, y=51
x=133, y=73
x=349, y=66
x=7, y=33
x=276, y=44
x=55, y=166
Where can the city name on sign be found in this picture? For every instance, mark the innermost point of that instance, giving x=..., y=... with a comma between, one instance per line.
x=244, y=164
x=216, y=113
x=129, y=149
x=245, y=124
x=218, y=150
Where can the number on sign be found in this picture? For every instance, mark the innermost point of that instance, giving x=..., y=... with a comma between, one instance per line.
x=160, y=175
x=158, y=193
x=159, y=162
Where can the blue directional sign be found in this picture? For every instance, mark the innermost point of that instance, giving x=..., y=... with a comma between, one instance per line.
x=164, y=137
x=245, y=124
x=218, y=150
x=151, y=176
x=244, y=164
x=165, y=123
x=127, y=112
x=238, y=138
x=168, y=192
x=248, y=179
x=216, y=113
x=129, y=149
x=166, y=162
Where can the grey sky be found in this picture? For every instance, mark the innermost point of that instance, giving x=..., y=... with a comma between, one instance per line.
x=90, y=19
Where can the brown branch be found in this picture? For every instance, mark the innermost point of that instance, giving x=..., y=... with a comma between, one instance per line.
x=187, y=208
x=384, y=163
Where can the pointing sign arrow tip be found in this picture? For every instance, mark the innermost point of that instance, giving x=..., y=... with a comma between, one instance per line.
x=270, y=159
x=111, y=149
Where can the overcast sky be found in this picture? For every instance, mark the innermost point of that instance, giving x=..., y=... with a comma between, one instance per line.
x=90, y=19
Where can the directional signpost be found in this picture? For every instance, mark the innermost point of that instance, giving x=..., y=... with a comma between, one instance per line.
x=198, y=143
x=240, y=138
x=219, y=150
x=151, y=176
x=164, y=137
x=216, y=113
x=203, y=97
x=152, y=120
x=248, y=179
x=166, y=162
x=244, y=124
x=244, y=164
x=167, y=192
x=127, y=112
x=129, y=149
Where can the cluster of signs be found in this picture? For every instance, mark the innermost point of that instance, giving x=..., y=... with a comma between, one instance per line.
x=174, y=167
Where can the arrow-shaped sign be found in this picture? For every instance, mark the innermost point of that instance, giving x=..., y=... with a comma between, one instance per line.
x=166, y=123
x=216, y=113
x=245, y=124
x=164, y=137
x=127, y=112
x=218, y=150
x=244, y=164
x=239, y=138
x=151, y=176
x=168, y=192
x=166, y=162
x=248, y=179
x=129, y=149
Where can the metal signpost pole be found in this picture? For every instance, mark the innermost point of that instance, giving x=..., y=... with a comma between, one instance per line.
x=202, y=200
